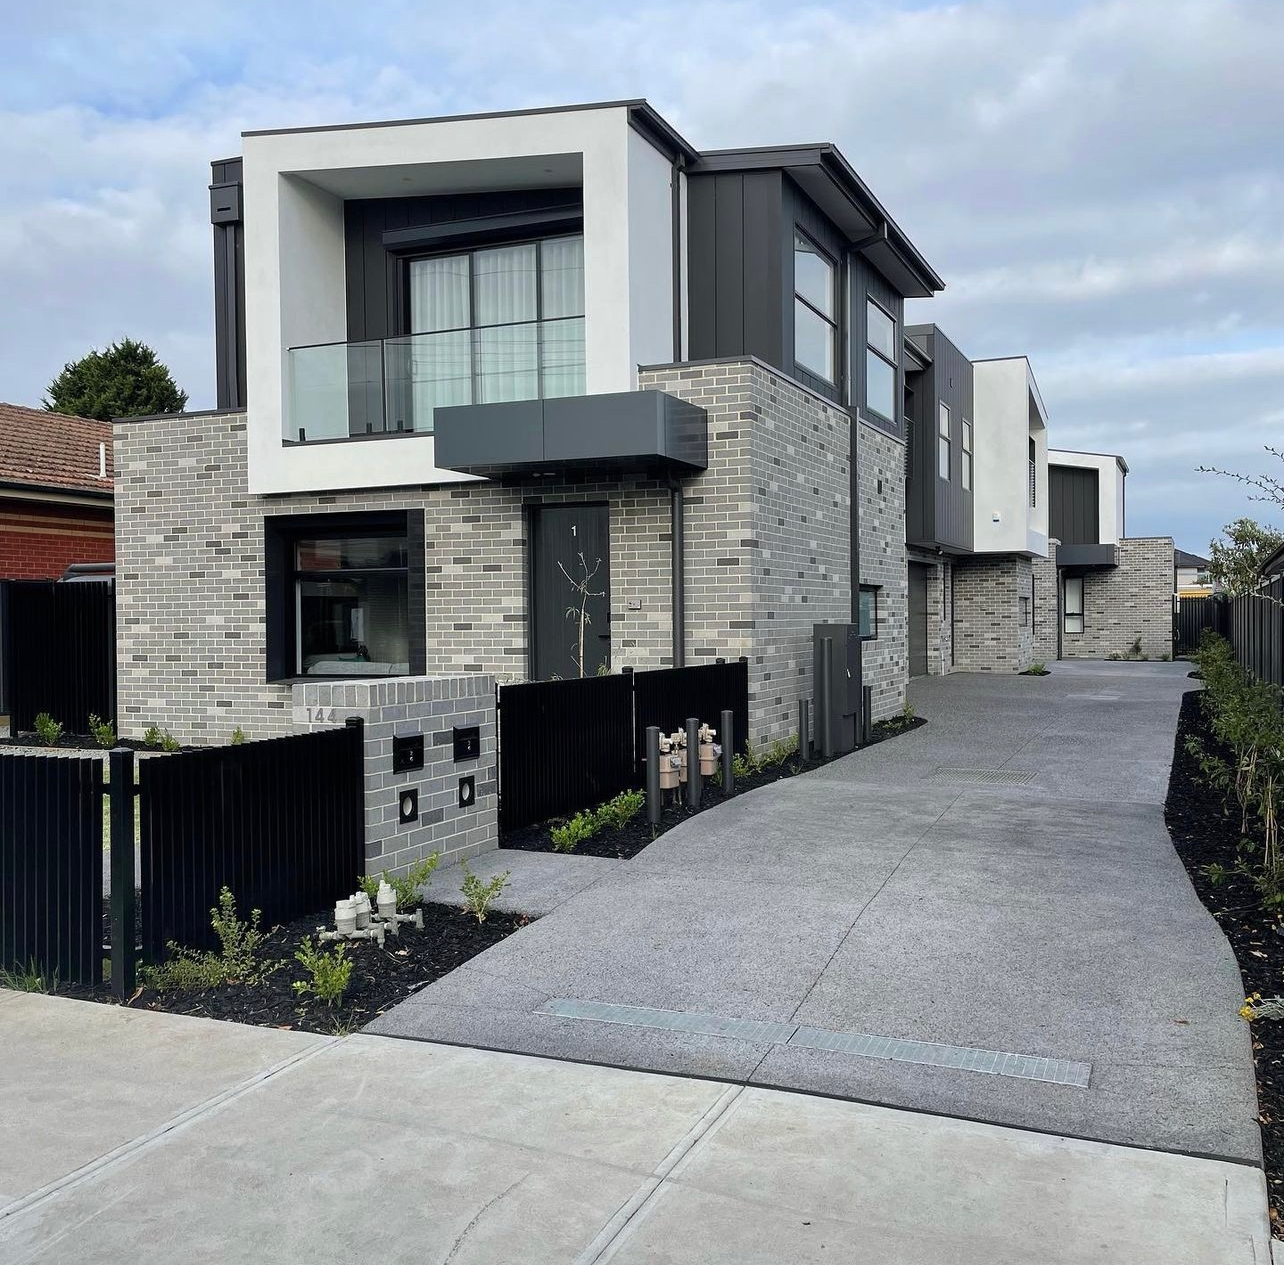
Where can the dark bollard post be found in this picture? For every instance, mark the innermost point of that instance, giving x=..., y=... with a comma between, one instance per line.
x=804, y=730
x=694, y=786
x=653, y=803
x=826, y=692
x=124, y=923
x=728, y=752
x=867, y=714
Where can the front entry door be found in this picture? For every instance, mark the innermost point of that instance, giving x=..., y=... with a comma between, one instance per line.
x=917, y=619
x=570, y=591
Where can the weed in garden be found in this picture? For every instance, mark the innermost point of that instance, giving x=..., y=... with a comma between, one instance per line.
x=1258, y=1007
x=405, y=888
x=1135, y=648
x=29, y=979
x=1036, y=669
x=329, y=972
x=48, y=730
x=1216, y=873
x=102, y=731
x=478, y=896
x=236, y=962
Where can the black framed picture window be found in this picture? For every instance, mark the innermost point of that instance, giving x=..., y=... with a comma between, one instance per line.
x=815, y=309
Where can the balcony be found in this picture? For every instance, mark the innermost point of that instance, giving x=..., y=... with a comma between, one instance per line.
x=392, y=386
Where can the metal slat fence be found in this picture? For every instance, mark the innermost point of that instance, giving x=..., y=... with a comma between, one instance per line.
x=1255, y=627
x=280, y=823
x=51, y=866
x=668, y=696
x=1191, y=617
x=60, y=646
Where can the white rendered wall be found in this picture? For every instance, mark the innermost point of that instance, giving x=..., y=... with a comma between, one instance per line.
x=1110, y=489
x=294, y=265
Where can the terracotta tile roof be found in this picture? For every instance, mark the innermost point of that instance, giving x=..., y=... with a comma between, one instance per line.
x=50, y=450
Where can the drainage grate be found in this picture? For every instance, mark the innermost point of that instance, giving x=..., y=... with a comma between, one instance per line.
x=861, y=1045
x=987, y=777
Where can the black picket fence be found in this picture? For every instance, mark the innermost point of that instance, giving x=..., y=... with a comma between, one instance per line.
x=1254, y=623
x=567, y=745
x=60, y=652
x=51, y=866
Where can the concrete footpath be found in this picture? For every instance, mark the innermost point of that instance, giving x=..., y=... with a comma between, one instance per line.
x=134, y=1137
x=983, y=918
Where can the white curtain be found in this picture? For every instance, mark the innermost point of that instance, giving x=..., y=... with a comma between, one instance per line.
x=562, y=268
x=439, y=294
x=506, y=280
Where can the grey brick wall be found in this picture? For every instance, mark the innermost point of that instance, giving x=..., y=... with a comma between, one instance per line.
x=940, y=611
x=1047, y=612
x=992, y=630
x=1134, y=599
x=881, y=473
x=412, y=705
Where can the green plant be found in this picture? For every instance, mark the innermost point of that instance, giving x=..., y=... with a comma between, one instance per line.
x=28, y=979
x=329, y=972
x=124, y=380
x=169, y=743
x=405, y=887
x=478, y=896
x=1135, y=648
x=1258, y=1007
x=1216, y=873
x=1165, y=658
x=571, y=833
x=48, y=730
x=1114, y=655
x=621, y=810
x=778, y=752
x=743, y=766
x=236, y=962
x=369, y=883
x=152, y=738
x=102, y=731
x=238, y=736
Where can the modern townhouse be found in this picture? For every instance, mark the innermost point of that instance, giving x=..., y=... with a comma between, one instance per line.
x=536, y=394
x=1116, y=591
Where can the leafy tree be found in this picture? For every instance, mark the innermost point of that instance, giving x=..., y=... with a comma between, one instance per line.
x=1235, y=562
x=126, y=380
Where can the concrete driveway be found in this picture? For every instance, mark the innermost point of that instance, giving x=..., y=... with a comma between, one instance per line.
x=983, y=918
x=145, y=1139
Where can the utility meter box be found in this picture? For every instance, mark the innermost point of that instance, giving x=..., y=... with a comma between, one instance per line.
x=839, y=705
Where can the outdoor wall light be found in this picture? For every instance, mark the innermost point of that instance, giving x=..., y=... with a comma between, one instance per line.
x=467, y=792
x=408, y=805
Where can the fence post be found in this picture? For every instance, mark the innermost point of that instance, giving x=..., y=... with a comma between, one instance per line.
x=824, y=697
x=728, y=745
x=804, y=730
x=694, y=786
x=653, y=805
x=124, y=921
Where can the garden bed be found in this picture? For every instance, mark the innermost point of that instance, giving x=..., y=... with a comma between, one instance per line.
x=380, y=977
x=624, y=842
x=1205, y=833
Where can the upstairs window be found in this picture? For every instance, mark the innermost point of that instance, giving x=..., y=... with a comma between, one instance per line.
x=966, y=456
x=943, y=442
x=880, y=361
x=815, y=309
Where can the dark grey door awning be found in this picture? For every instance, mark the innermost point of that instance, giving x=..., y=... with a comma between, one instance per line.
x=631, y=430
x=1087, y=557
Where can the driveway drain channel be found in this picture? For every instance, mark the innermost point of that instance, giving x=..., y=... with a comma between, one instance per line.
x=1028, y=1067
x=987, y=777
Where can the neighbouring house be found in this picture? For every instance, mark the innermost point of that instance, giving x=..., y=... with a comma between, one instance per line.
x=977, y=511
x=537, y=394
x=1116, y=591
x=55, y=492
x=1190, y=575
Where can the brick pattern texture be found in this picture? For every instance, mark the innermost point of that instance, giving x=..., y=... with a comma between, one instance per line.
x=992, y=628
x=413, y=705
x=940, y=611
x=766, y=530
x=1047, y=610
x=1133, y=600
x=40, y=541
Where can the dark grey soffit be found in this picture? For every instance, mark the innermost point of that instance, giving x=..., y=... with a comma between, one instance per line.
x=628, y=430
x=1087, y=557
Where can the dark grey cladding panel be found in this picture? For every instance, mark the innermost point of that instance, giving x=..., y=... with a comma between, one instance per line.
x=1087, y=557
x=624, y=430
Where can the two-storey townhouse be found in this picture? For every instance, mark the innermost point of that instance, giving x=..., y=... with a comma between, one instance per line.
x=531, y=394
x=1115, y=591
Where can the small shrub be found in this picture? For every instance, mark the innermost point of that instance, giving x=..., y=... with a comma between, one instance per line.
x=369, y=884
x=778, y=752
x=102, y=731
x=1036, y=669
x=152, y=738
x=48, y=730
x=1165, y=658
x=621, y=810
x=169, y=743
x=571, y=833
x=743, y=766
x=1216, y=873
x=238, y=736
x=478, y=896
x=237, y=961
x=329, y=972
x=1135, y=648
x=405, y=888
x=1114, y=655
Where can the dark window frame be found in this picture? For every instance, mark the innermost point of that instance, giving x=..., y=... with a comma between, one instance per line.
x=965, y=461
x=282, y=532
x=943, y=411
x=871, y=301
x=1066, y=613
x=834, y=322
x=875, y=590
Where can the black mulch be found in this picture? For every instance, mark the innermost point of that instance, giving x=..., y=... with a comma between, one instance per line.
x=380, y=977
x=626, y=842
x=1205, y=832
x=78, y=742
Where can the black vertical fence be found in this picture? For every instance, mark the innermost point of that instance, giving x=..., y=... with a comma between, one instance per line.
x=60, y=652
x=1191, y=617
x=567, y=745
x=1254, y=623
x=51, y=866
x=281, y=823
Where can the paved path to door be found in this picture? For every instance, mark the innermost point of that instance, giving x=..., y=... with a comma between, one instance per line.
x=998, y=882
x=143, y=1139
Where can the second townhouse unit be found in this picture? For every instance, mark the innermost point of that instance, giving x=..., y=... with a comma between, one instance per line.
x=477, y=372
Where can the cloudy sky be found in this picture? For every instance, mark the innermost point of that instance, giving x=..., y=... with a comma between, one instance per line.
x=1100, y=184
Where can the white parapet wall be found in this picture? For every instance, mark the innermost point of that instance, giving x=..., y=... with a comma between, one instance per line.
x=455, y=802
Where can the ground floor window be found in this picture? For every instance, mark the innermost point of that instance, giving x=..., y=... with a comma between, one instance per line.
x=344, y=596
x=869, y=611
x=1073, y=607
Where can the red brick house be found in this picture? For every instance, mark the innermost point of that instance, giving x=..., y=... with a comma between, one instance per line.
x=55, y=493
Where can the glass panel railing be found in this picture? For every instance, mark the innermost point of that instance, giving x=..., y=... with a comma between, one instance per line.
x=336, y=391
x=393, y=385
